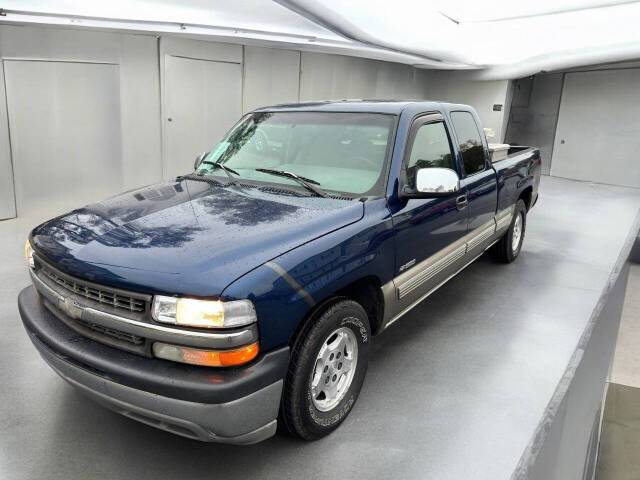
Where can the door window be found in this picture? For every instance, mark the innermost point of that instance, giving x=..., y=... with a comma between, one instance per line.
x=431, y=148
x=470, y=142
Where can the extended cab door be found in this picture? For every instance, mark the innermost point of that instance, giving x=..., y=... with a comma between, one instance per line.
x=429, y=231
x=478, y=181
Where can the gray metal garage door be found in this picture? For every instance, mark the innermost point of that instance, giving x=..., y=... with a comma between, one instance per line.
x=64, y=122
x=203, y=99
x=598, y=134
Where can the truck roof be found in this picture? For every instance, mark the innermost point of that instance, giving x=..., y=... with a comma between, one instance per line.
x=375, y=106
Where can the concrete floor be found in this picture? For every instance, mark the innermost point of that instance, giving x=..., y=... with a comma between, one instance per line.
x=454, y=390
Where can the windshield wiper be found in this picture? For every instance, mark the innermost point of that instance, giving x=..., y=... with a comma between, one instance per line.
x=224, y=168
x=306, y=182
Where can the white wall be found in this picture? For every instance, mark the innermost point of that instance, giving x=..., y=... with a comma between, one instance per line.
x=140, y=107
x=269, y=76
x=138, y=93
x=457, y=87
x=325, y=77
x=336, y=77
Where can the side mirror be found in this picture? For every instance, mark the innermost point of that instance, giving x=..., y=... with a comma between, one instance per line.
x=199, y=160
x=433, y=182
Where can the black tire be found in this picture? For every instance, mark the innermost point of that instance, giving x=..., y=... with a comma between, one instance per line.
x=504, y=251
x=298, y=412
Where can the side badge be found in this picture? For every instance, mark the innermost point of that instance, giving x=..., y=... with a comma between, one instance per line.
x=408, y=265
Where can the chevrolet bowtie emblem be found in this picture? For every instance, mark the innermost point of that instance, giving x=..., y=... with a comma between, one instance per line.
x=70, y=307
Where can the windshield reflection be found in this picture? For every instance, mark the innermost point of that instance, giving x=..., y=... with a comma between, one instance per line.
x=340, y=152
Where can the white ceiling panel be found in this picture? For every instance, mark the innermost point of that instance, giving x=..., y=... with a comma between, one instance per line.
x=498, y=38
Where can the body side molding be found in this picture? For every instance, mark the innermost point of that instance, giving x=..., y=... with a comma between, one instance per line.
x=424, y=275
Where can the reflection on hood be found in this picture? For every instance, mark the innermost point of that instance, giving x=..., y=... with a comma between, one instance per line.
x=187, y=230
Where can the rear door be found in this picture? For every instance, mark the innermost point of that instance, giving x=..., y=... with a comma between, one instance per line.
x=429, y=232
x=478, y=180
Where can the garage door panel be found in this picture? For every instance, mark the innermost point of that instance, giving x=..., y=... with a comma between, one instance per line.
x=203, y=100
x=597, y=136
x=64, y=120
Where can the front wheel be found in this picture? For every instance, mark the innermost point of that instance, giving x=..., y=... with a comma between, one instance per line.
x=509, y=246
x=328, y=365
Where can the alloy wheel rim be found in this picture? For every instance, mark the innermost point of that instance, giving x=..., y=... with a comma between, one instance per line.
x=517, y=233
x=334, y=369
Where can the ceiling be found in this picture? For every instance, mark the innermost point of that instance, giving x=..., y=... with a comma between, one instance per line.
x=495, y=39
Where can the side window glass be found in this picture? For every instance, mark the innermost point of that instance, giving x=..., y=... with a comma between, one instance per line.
x=431, y=148
x=470, y=142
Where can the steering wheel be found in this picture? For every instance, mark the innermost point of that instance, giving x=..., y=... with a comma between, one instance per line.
x=260, y=141
x=361, y=159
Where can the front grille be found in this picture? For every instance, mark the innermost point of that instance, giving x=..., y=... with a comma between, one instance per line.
x=54, y=284
x=99, y=294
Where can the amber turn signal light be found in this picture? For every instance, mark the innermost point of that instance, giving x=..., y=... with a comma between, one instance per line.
x=208, y=358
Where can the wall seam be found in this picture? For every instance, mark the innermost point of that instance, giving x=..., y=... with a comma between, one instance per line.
x=13, y=170
x=299, y=74
x=161, y=111
x=555, y=128
x=243, y=79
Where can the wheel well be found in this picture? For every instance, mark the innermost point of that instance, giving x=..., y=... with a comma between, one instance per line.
x=366, y=291
x=526, y=197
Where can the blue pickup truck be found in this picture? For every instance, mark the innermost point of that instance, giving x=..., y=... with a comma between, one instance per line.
x=246, y=293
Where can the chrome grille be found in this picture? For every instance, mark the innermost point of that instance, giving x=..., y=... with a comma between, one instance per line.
x=98, y=294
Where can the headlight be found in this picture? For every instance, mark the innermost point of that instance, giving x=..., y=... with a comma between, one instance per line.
x=191, y=312
x=28, y=253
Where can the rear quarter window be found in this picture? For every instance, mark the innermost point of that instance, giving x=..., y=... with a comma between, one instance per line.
x=470, y=142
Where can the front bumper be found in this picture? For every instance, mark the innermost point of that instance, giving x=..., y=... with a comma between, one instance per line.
x=237, y=405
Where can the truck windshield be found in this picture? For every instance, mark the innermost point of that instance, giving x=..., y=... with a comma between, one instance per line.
x=340, y=152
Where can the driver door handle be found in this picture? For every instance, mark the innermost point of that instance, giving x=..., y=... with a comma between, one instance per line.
x=461, y=202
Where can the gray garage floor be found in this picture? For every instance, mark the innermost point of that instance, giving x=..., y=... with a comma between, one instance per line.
x=454, y=390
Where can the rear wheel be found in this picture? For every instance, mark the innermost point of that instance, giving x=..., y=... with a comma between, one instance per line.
x=508, y=247
x=327, y=368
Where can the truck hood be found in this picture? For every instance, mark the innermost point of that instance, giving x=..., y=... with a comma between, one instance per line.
x=187, y=237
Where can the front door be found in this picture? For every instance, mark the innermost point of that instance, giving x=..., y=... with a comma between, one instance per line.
x=429, y=232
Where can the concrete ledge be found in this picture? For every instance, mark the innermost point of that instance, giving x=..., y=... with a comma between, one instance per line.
x=565, y=443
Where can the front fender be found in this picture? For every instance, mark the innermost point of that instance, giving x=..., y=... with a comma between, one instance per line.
x=287, y=287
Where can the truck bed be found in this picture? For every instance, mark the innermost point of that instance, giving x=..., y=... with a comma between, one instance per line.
x=516, y=173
